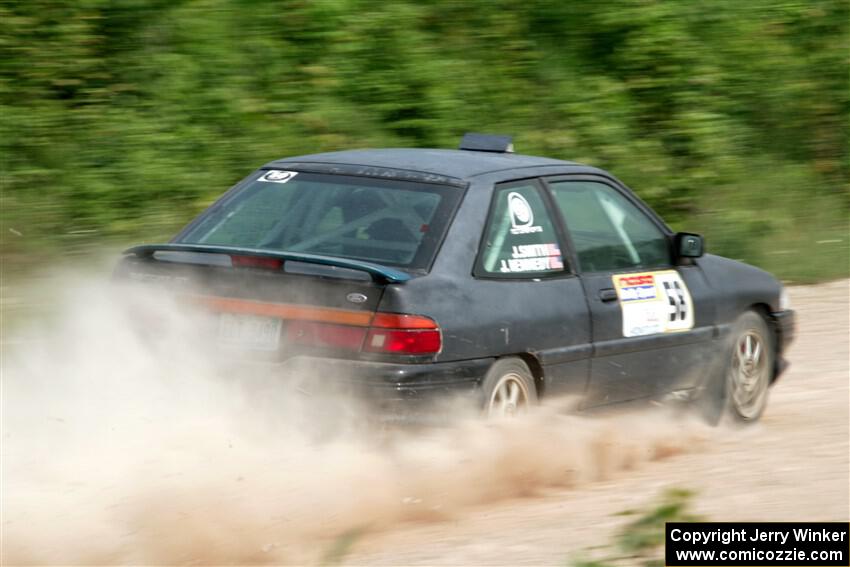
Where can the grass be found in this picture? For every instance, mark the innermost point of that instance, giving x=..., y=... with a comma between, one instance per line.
x=641, y=541
x=341, y=546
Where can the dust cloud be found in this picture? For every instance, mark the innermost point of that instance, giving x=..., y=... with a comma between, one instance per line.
x=127, y=439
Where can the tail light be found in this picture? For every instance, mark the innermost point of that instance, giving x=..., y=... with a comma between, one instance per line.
x=389, y=333
x=355, y=331
x=403, y=334
x=403, y=341
x=326, y=335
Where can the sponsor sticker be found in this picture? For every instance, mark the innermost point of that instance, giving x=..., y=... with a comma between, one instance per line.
x=522, y=216
x=637, y=288
x=654, y=302
x=277, y=176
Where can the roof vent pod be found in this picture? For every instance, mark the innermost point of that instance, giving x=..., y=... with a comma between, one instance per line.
x=487, y=143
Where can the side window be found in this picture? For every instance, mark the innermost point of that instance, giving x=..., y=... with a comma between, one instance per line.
x=608, y=231
x=520, y=239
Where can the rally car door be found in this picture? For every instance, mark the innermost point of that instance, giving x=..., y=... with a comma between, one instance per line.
x=535, y=300
x=643, y=307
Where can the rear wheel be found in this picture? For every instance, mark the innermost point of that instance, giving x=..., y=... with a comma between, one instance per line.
x=750, y=368
x=508, y=389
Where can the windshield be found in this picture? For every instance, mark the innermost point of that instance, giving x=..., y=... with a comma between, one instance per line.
x=384, y=221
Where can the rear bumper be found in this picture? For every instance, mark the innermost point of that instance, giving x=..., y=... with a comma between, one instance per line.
x=394, y=390
x=785, y=328
x=395, y=380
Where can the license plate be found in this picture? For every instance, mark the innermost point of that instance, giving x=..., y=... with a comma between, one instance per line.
x=249, y=331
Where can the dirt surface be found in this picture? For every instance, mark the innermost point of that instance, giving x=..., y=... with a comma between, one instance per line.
x=122, y=447
x=791, y=466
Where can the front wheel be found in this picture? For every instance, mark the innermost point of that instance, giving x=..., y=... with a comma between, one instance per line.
x=508, y=389
x=750, y=367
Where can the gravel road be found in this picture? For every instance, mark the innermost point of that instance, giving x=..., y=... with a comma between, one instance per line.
x=791, y=466
x=122, y=448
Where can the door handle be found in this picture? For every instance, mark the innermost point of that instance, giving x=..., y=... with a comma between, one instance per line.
x=608, y=294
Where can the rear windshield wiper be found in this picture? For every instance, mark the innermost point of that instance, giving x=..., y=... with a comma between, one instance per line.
x=378, y=273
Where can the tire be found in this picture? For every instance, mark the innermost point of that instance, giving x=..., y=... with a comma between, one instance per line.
x=749, y=368
x=508, y=389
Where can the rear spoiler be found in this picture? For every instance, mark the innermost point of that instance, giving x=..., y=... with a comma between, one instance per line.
x=379, y=273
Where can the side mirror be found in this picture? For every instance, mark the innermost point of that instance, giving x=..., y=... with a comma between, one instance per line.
x=688, y=245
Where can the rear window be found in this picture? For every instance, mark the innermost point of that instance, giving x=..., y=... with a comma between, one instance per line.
x=389, y=222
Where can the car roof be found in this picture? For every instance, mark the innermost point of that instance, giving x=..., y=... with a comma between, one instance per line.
x=460, y=164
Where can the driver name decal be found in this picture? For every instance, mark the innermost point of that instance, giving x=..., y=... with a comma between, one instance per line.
x=533, y=258
x=654, y=302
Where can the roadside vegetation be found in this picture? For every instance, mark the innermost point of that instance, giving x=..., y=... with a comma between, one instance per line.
x=638, y=543
x=121, y=120
x=641, y=541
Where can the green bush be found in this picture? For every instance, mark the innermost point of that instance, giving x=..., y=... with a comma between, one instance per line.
x=120, y=120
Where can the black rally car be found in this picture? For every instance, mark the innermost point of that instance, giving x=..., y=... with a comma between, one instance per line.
x=414, y=272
